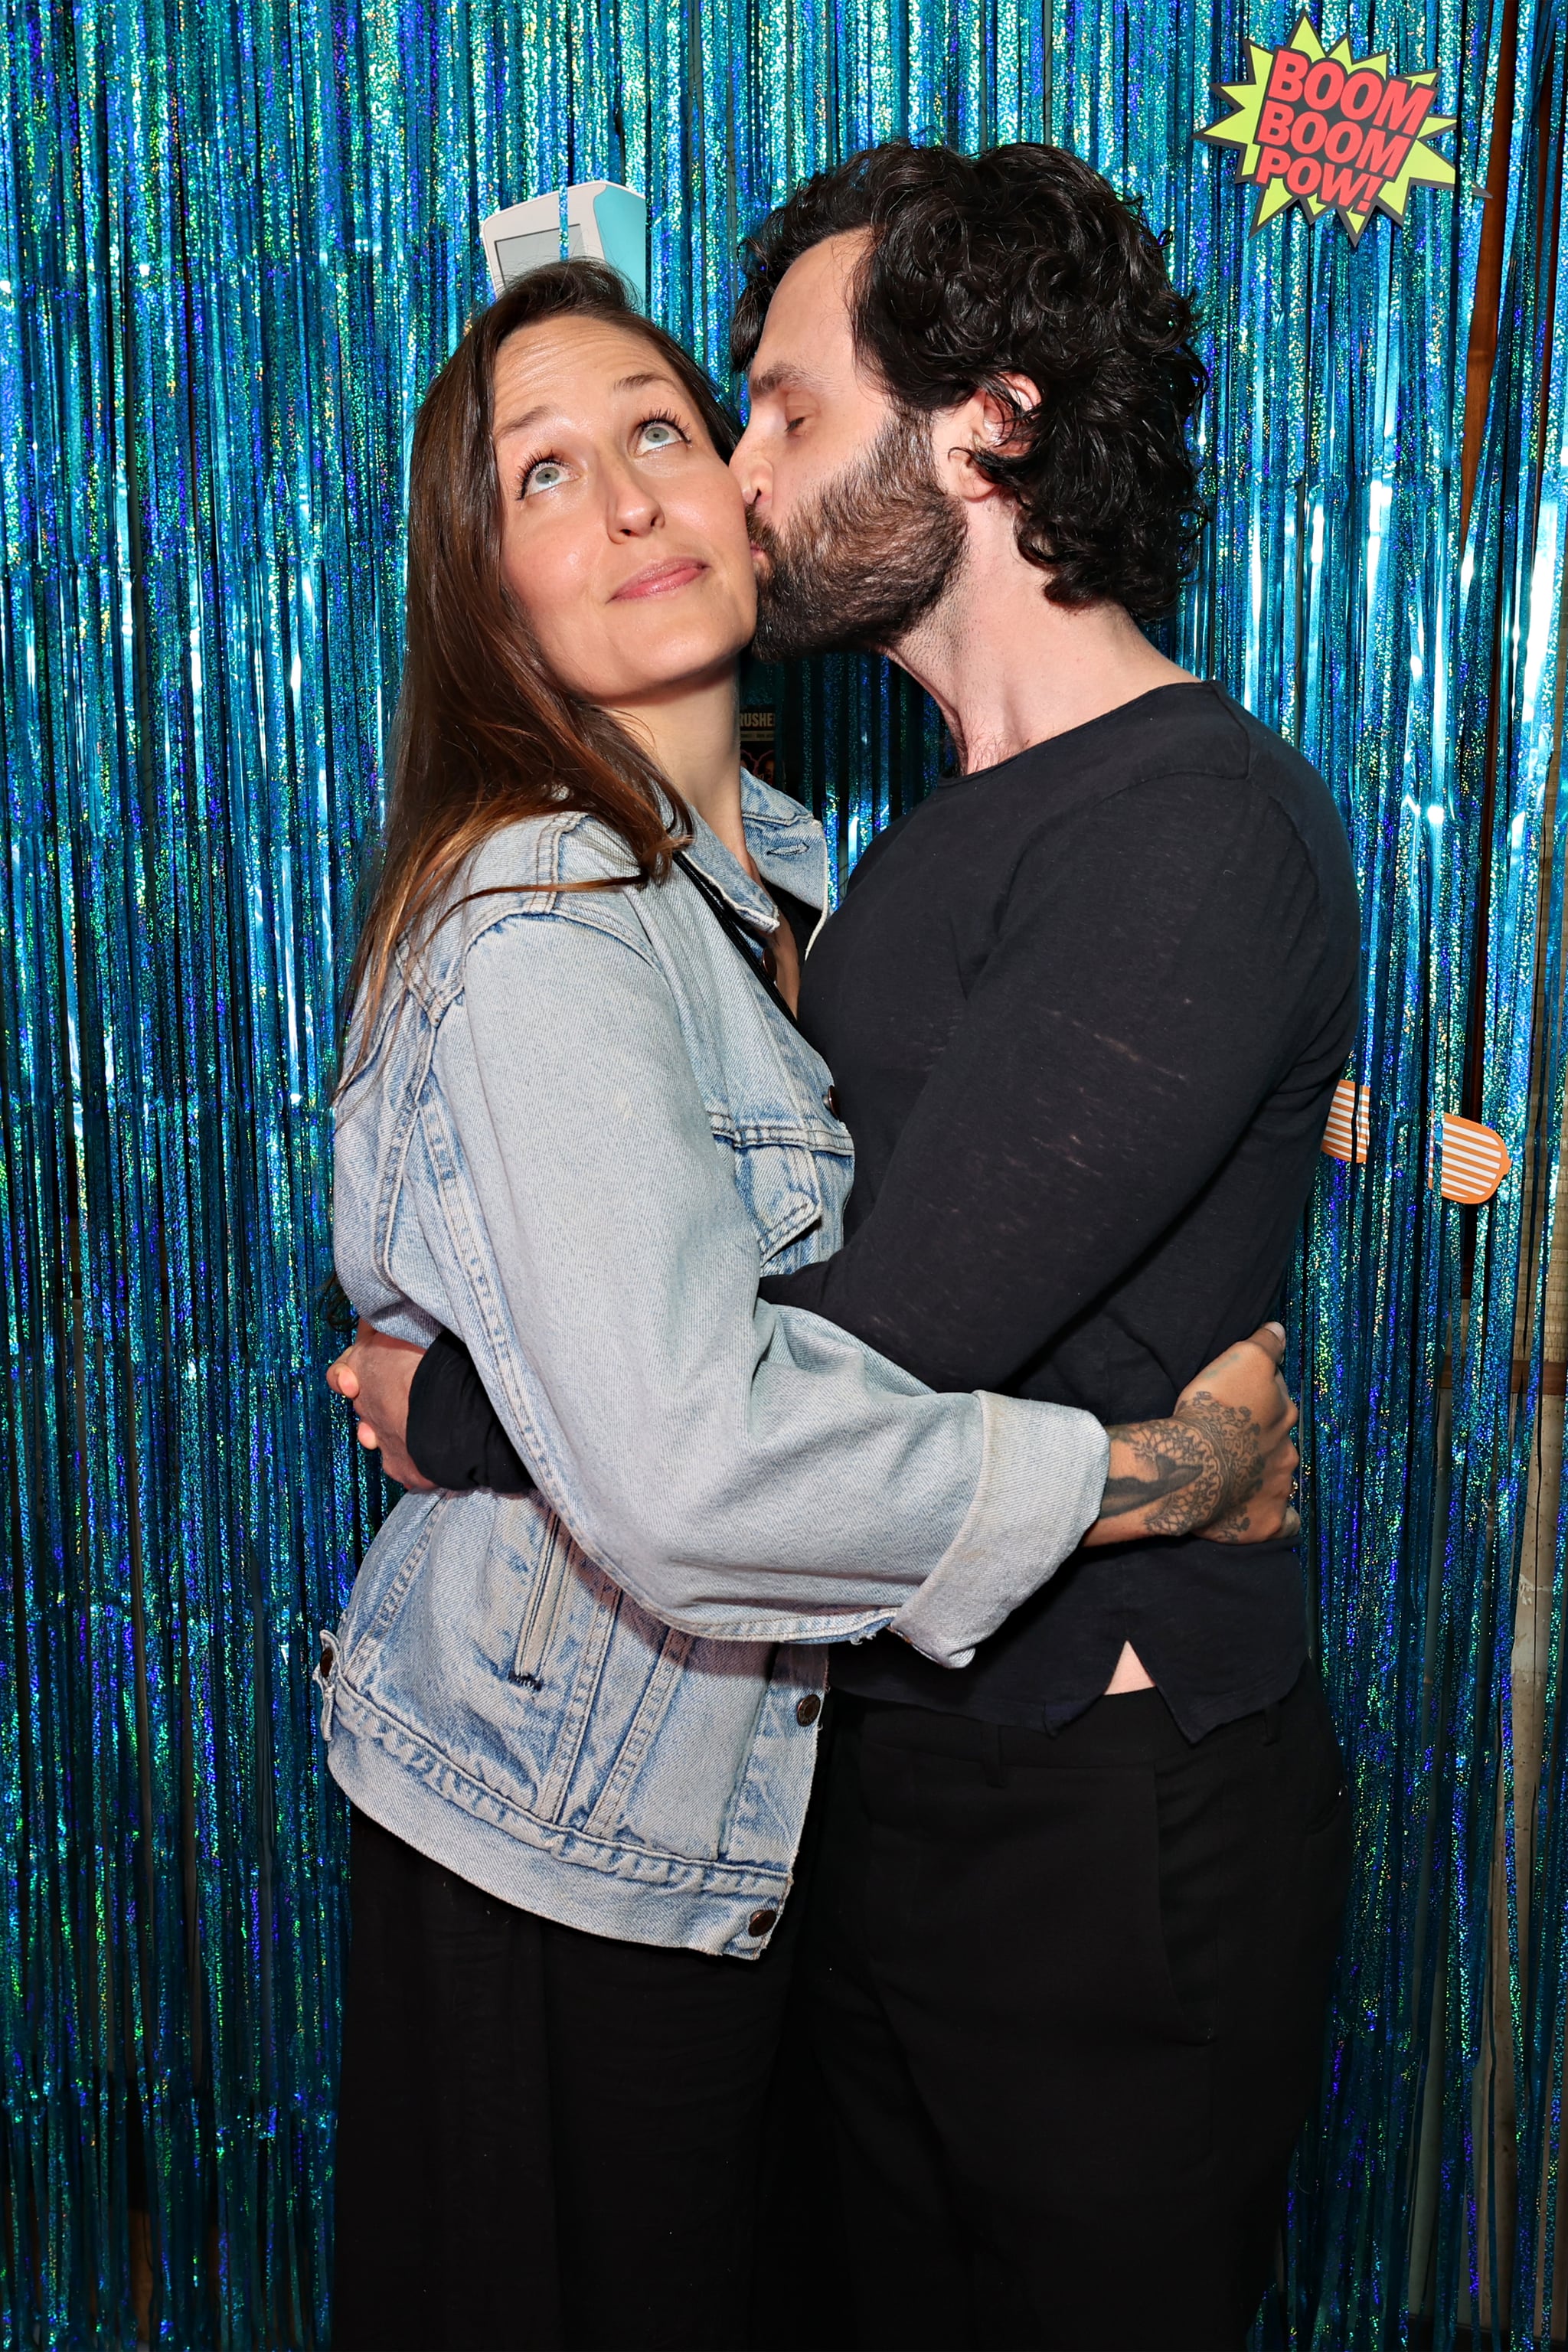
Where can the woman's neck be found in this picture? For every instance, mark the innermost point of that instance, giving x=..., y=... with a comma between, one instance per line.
x=694, y=735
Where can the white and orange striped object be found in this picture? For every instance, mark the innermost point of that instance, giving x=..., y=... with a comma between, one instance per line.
x=1350, y=1122
x=1468, y=1161
x=1472, y=1160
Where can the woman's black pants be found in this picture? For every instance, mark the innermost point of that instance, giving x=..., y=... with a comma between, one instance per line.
x=1064, y=2000
x=1068, y=1999
x=545, y=2138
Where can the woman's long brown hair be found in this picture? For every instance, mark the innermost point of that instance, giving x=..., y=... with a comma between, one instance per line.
x=485, y=734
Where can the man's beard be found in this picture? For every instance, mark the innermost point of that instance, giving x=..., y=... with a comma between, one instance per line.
x=859, y=568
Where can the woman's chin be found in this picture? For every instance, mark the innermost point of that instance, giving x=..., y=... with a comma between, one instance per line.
x=681, y=665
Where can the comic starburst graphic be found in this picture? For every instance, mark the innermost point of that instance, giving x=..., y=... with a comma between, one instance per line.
x=1332, y=132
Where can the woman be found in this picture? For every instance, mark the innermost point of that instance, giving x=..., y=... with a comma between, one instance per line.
x=578, y=1727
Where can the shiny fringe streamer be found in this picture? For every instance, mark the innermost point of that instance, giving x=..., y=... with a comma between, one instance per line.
x=1505, y=2049
x=235, y=245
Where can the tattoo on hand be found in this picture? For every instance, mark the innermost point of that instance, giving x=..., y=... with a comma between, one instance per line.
x=1237, y=1441
x=1200, y=1469
x=1177, y=1481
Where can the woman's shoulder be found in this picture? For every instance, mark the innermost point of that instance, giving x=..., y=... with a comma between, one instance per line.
x=536, y=855
x=561, y=865
x=551, y=865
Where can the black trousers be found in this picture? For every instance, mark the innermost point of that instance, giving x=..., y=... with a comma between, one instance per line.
x=1068, y=1997
x=544, y=2138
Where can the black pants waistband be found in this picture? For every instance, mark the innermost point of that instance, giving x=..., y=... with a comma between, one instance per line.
x=1132, y=1727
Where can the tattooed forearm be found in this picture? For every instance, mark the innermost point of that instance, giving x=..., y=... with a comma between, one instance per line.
x=1165, y=1472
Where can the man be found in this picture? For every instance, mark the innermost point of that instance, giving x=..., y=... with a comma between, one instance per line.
x=1074, y=1907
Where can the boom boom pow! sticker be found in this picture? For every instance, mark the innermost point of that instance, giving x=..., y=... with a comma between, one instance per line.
x=1332, y=132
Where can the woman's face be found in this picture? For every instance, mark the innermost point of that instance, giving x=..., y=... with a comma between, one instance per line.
x=623, y=530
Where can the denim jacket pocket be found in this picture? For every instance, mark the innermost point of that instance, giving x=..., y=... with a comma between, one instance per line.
x=781, y=1171
x=484, y=1644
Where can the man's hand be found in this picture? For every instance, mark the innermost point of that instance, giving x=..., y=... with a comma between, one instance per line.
x=375, y=1375
x=1223, y=1465
x=1242, y=1405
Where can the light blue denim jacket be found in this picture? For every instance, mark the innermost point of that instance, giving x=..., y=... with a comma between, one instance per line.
x=581, y=1133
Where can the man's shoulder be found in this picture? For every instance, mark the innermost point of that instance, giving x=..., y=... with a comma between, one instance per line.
x=1299, y=800
x=1276, y=768
x=1200, y=730
x=1185, y=764
x=1210, y=759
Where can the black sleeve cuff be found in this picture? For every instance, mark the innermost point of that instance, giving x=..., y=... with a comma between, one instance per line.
x=804, y=1287
x=455, y=1436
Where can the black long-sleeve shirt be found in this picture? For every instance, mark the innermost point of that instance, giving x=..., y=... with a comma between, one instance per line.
x=1085, y=1011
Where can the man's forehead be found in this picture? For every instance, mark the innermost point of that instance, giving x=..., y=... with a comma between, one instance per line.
x=805, y=337
x=823, y=271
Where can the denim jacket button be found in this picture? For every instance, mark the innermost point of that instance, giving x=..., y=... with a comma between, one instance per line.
x=830, y=1101
x=761, y=1923
x=810, y=1708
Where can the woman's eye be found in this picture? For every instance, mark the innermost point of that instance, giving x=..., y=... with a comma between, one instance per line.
x=545, y=476
x=658, y=432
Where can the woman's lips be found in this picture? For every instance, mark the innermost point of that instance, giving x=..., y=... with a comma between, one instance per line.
x=659, y=578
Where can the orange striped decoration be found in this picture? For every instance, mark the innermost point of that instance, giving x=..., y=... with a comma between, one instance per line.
x=1468, y=1161
x=1472, y=1160
x=1350, y=1122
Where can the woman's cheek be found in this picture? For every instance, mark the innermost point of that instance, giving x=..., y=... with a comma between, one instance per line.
x=548, y=591
x=561, y=644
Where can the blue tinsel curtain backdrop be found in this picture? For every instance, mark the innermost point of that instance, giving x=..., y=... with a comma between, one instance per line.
x=235, y=241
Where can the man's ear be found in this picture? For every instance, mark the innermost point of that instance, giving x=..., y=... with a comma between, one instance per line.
x=983, y=421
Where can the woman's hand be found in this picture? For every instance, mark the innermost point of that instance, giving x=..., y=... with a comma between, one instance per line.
x=375, y=1375
x=1222, y=1463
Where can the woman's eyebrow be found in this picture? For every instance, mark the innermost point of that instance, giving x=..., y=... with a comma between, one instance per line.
x=649, y=376
x=543, y=409
x=521, y=424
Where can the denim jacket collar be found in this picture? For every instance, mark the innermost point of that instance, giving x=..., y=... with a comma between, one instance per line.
x=785, y=842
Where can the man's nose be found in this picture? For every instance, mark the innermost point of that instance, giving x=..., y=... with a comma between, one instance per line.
x=752, y=470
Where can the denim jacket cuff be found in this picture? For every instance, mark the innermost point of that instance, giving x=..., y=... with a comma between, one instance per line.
x=1042, y=1475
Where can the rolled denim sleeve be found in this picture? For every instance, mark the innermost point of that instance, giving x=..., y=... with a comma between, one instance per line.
x=743, y=1470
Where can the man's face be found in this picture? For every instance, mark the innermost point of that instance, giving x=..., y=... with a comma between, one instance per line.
x=854, y=537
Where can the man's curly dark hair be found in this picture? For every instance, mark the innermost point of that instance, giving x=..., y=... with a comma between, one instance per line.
x=1022, y=261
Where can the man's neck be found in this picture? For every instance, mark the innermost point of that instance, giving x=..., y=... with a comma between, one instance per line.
x=1006, y=668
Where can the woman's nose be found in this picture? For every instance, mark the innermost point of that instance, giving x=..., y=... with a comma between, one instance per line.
x=633, y=503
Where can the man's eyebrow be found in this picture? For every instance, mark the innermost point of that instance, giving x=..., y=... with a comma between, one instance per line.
x=544, y=408
x=775, y=379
